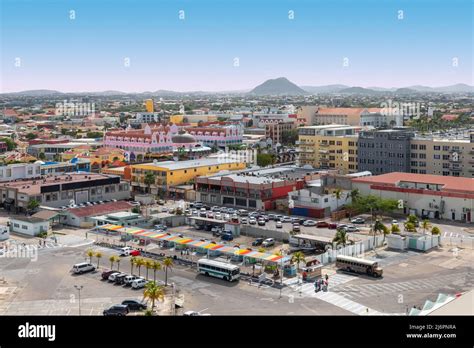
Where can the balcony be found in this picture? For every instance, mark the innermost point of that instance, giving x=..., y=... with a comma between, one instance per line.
x=323, y=151
x=323, y=144
x=455, y=169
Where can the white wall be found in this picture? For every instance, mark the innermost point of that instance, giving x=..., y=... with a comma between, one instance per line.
x=31, y=229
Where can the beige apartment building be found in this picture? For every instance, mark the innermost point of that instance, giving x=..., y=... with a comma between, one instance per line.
x=447, y=157
x=329, y=147
x=275, y=130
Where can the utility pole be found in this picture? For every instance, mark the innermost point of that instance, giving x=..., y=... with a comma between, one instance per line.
x=79, y=288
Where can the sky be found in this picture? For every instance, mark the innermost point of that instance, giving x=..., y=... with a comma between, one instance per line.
x=222, y=45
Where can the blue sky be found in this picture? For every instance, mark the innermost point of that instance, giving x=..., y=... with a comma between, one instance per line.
x=197, y=53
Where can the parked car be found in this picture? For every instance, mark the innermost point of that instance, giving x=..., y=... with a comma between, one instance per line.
x=135, y=203
x=161, y=227
x=257, y=242
x=134, y=305
x=164, y=210
x=261, y=222
x=114, y=276
x=127, y=251
x=332, y=226
x=83, y=267
x=279, y=224
x=129, y=279
x=227, y=236
x=194, y=314
x=218, y=216
x=296, y=228
x=351, y=229
x=139, y=283
x=117, y=310
x=309, y=223
x=268, y=242
x=286, y=219
x=243, y=220
x=235, y=218
x=106, y=274
x=358, y=220
x=120, y=278
x=161, y=202
x=210, y=215
x=322, y=224
x=395, y=222
x=252, y=221
x=243, y=212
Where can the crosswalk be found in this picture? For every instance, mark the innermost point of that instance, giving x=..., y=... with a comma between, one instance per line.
x=371, y=290
x=334, y=280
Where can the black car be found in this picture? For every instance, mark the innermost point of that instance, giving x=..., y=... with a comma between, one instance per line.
x=117, y=310
x=257, y=242
x=134, y=305
x=120, y=279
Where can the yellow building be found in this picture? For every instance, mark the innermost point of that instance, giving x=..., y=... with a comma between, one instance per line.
x=100, y=157
x=149, y=105
x=176, y=119
x=329, y=147
x=171, y=173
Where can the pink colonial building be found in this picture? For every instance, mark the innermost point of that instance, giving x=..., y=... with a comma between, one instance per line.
x=220, y=136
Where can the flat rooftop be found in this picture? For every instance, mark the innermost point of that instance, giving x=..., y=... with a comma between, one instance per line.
x=172, y=165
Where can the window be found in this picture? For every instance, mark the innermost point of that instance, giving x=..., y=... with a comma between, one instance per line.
x=445, y=157
x=436, y=157
x=414, y=146
x=445, y=148
x=423, y=155
x=24, y=227
x=16, y=225
x=422, y=147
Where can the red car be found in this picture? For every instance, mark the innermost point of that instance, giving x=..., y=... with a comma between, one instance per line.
x=332, y=226
x=322, y=224
x=134, y=253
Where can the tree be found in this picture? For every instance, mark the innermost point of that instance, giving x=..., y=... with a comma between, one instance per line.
x=117, y=261
x=385, y=231
x=435, y=230
x=42, y=156
x=148, y=265
x=155, y=267
x=132, y=263
x=395, y=228
x=265, y=159
x=112, y=261
x=30, y=136
x=11, y=145
x=375, y=205
x=298, y=257
x=354, y=195
x=378, y=227
x=94, y=134
x=33, y=205
x=154, y=293
x=289, y=137
x=425, y=225
x=136, y=210
x=410, y=227
x=149, y=180
x=341, y=237
x=90, y=253
x=98, y=255
x=168, y=264
x=139, y=262
x=338, y=195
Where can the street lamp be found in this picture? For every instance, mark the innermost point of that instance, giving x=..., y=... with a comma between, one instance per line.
x=79, y=288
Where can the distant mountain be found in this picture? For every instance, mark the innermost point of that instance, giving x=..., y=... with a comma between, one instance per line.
x=35, y=93
x=324, y=89
x=358, y=90
x=279, y=86
x=458, y=88
x=405, y=91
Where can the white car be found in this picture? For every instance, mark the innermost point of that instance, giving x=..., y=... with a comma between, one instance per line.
x=243, y=220
x=139, y=283
x=252, y=221
x=279, y=224
x=134, y=203
x=309, y=223
x=164, y=210
x=218, y=216
x=194, y=314
x=268, y=242
x=114, y=275
x=129, y=279
x=80, y=268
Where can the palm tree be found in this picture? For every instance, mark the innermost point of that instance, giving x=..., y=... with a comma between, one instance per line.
x=435, y=230
x=298, y=257
x=168, y=264
x=98, y=255
x=154, y=292
x=132, y=263
x=385, y=231
x=117, y=261
x=149, y=180
x=378, y=227
x=410, y=227
x=112, y=260
x=341, y=237
x=425, y=225
x=156, y=266
x=33, y=205
x=90, y=253
x=148, y=265
x=139, y=262
x=338, y=195
x=395, y=228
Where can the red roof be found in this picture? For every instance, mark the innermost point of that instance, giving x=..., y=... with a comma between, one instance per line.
x=450, y=183
x=100, y=209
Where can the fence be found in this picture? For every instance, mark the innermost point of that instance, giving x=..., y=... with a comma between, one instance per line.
x=460, y=242
x=262, y=233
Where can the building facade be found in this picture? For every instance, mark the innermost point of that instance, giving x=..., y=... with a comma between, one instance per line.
x=329, y=147
x=357, y=117
x=424, y=195
x=170, y=173
x=275, y=130
x=384, y=151
x=62, y=190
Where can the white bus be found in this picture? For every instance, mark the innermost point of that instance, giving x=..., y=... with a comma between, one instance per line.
x=219, y=269
x=354, y=264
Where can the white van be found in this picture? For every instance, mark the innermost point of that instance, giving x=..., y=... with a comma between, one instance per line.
x=125, y=251
x=83, y=267
x=139, y=283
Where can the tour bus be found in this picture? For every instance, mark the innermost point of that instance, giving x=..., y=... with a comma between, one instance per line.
x=218, y=269
x=354, y=264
